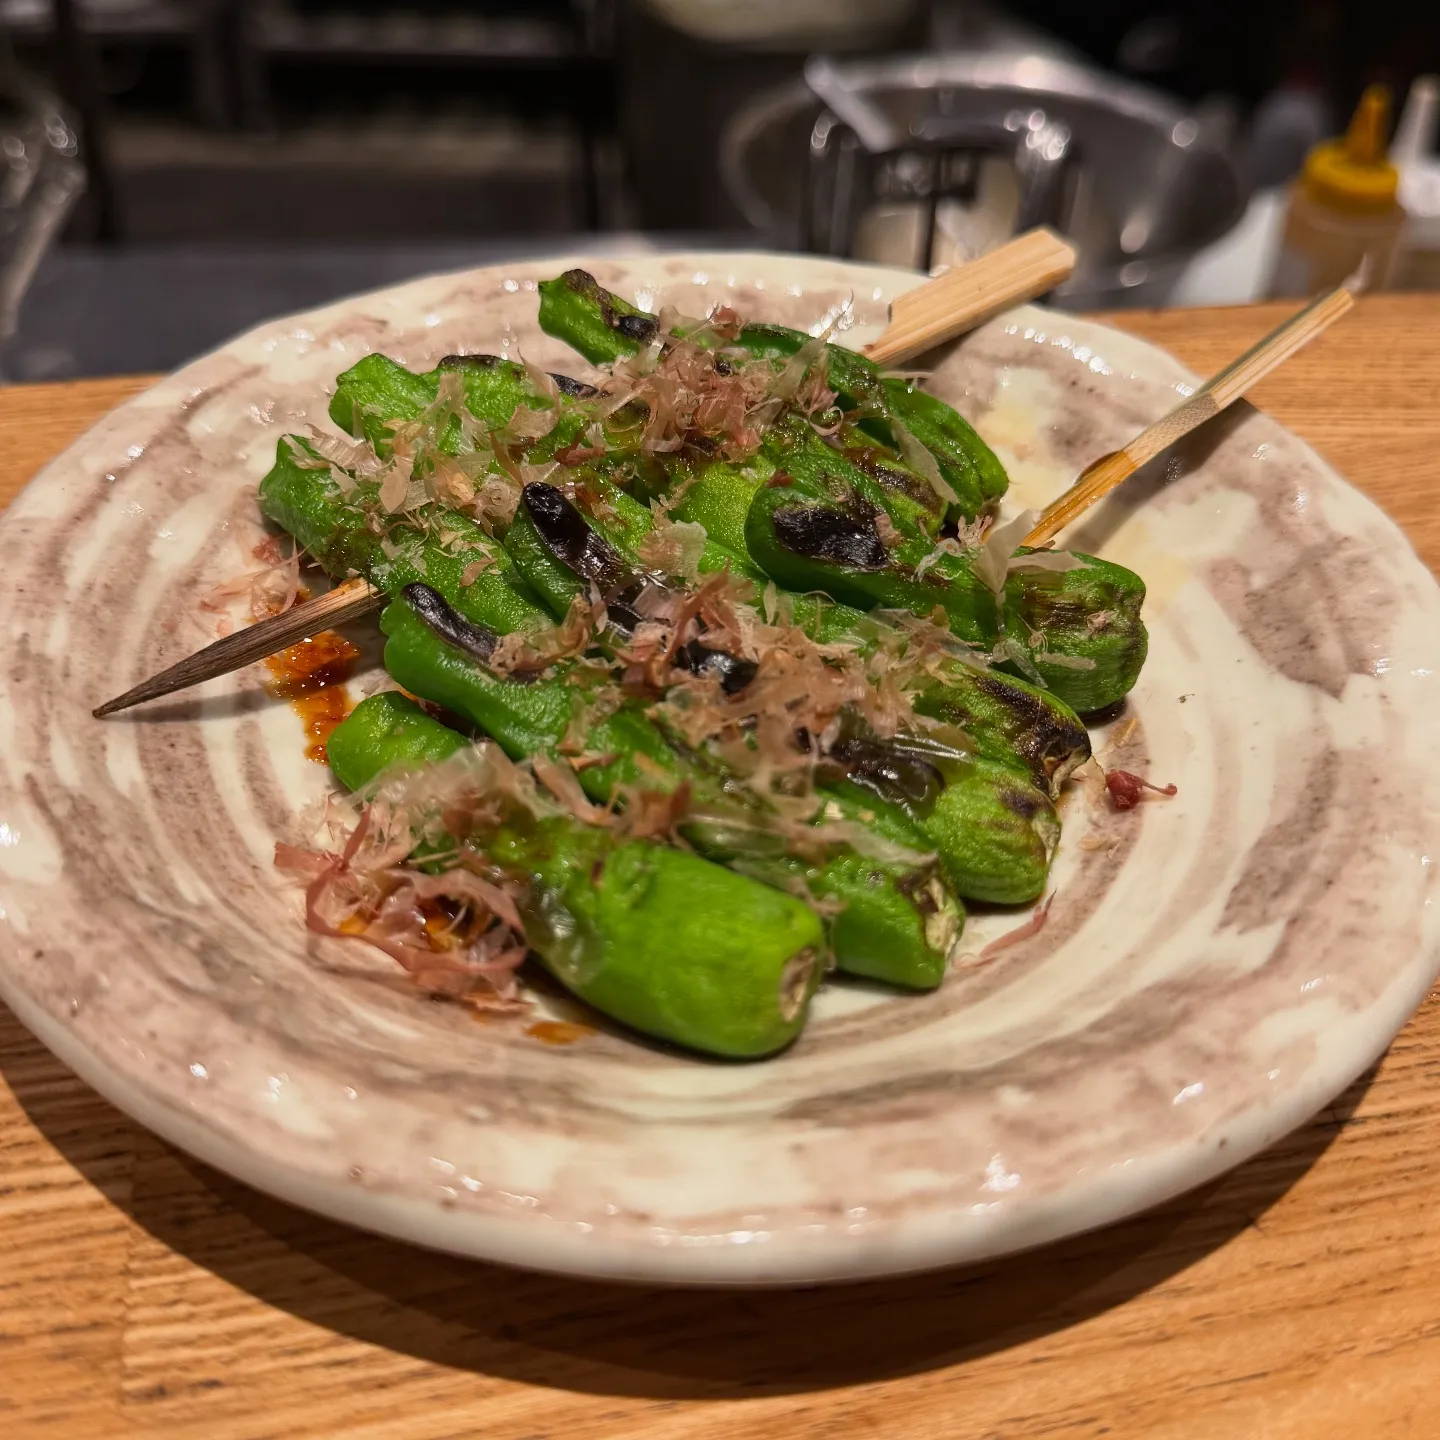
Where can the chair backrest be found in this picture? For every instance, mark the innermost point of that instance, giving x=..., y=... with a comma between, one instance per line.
x=41, y=178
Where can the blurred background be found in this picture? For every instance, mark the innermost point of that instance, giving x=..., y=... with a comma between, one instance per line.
x=175, y=170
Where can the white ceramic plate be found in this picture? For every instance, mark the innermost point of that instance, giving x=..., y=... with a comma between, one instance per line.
x=1216, y=967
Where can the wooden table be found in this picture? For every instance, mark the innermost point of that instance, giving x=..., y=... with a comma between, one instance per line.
x=144, y=1295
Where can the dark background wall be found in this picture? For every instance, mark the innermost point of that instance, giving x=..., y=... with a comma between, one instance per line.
x=251, y=156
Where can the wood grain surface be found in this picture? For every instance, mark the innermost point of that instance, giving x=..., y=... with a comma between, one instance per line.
x=1298, y=1298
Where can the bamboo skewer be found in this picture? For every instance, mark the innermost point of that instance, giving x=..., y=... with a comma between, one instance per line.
x=970, y=294
x=1223, y=388
x=934, y=312
x=345, y=602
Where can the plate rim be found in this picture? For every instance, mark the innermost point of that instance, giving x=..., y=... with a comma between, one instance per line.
x=832, y=1257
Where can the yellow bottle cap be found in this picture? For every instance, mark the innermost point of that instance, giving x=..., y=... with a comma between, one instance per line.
x=1354, y=174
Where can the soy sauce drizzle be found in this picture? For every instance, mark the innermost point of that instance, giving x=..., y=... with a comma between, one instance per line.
x=311, y=675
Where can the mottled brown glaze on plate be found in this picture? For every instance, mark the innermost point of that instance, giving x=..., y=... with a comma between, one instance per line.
x=1215, y=967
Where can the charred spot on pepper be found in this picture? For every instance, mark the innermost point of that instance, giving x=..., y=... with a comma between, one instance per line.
x=780, y=480
x=576, y=389
x=633, y=327
x=470, y=362
x=1033, y=745
x=1040, y=605
x=733, y=673
x=820, y=533
x=845, y=498
x=1022, y=801
x=570, y=540
x=477, y=641
x=1045, y=738
x=1045, y=598
x=1019, y=702
x=915, y=487
x=889, y=772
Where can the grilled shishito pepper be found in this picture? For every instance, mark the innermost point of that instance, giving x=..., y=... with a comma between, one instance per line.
x=655, y=937
x=1000, y=831
x=576, y=308
x=1010, y=721
x=384, y=730
x=377, y=390
x=603, y=328
x=332, y=529
x=994, y=832
x=849, y=475
x=1089, y=615
x=967, y=464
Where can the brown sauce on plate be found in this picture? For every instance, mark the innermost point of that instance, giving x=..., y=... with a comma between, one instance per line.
x=311, y=675
x=559, y=1032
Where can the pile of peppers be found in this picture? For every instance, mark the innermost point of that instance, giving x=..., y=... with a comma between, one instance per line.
x=715, y=939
